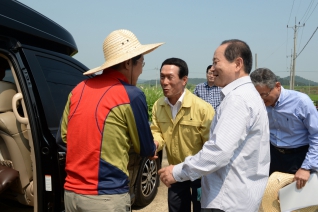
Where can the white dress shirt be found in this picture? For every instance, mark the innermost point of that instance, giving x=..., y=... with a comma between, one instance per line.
x=175, y=108
x=234, y=163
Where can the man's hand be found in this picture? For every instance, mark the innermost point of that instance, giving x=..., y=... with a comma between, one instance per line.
x=155, y=156
x=301, y=177
x=166, y=175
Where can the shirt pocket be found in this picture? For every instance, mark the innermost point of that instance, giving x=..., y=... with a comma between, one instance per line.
x=164, y=124
x=190, y=127
x=191, y=137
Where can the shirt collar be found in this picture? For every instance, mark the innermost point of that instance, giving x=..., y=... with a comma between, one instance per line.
x=282, y=96
x=179, y=100
x=207, y=85
x=110, y=72
x=233, y=85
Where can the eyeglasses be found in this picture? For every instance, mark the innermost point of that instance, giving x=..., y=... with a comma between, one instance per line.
x=143, y=63
x=210, y=73
x=264, y=95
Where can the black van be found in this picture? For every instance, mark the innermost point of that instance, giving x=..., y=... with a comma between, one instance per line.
x=36, y=56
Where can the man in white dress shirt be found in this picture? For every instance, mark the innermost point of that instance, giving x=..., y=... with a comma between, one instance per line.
x=234, y=163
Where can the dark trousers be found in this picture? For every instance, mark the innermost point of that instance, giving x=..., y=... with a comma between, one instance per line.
x=287, y=160
x=181, y=194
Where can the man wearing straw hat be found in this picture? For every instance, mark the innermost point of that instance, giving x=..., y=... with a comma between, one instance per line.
x=234, y=162
x=103, y=116
x=293, y=123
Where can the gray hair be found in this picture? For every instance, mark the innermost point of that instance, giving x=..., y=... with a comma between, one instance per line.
x=263, y=76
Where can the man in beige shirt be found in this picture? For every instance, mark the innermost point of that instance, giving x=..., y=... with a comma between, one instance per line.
x=181, y=122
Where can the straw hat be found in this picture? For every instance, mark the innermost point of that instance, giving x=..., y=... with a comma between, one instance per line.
x=122, y=45
x=270, y=201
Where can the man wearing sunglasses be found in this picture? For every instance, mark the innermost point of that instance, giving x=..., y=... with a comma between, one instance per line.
x=293, y=123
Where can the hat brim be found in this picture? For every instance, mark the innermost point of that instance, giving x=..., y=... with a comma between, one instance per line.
x=276, y=181
x=270, y=200
x=142, y=49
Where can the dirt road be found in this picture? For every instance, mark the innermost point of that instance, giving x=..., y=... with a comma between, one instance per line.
x=159, y=204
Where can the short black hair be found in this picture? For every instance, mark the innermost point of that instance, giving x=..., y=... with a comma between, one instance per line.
x=238, y=48
x=183, y=67
x=134, y=59
x=134, y=62
x=208, y=68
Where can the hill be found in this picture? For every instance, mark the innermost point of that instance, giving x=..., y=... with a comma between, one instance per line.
x=192, y=81
x=299, y=81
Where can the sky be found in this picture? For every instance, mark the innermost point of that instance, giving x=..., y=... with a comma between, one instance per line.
x=192, y=30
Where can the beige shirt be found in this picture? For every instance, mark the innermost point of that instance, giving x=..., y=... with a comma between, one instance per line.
x=185, y=134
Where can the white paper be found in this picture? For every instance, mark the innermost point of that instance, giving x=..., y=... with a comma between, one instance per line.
x=291, y=198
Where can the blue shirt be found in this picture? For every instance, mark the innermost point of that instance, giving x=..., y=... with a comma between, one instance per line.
x=234, y=162
x=208, y=94
x=293, y=122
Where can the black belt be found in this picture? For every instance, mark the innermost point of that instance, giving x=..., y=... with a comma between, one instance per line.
x=291, y=150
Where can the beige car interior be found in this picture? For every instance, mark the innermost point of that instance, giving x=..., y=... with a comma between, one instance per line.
x=16, y=146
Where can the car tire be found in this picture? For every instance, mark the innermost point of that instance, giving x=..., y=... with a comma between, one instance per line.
x=147, y=182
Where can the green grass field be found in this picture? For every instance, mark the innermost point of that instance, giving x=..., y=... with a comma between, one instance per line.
x=153, y=93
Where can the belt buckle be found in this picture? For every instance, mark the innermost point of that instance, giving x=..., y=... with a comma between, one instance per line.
x=281, y=150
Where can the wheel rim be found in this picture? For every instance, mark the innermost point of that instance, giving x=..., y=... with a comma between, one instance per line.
x=149, y=177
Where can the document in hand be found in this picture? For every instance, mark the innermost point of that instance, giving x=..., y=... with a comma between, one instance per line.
x=292, y=198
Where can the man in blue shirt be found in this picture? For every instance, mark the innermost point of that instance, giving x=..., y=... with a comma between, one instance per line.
x=208, y=91
x=293, y=122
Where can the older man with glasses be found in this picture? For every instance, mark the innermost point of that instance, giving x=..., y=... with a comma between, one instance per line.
x=293, y=122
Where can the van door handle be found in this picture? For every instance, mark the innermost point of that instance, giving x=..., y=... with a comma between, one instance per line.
x=15, y=99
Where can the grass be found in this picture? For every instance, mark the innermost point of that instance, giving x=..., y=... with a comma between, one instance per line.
x=153, y=93
x=314, y=97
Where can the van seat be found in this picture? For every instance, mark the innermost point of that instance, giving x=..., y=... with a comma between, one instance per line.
x=7, y=91
x=14, y=143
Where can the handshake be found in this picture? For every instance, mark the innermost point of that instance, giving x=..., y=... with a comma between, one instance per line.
x=165, y=173
x=155, y=155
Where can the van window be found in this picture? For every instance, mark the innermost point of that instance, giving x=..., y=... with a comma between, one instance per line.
x=55, y=75
x=5, y=71
x=8, y=76
x=61, y=78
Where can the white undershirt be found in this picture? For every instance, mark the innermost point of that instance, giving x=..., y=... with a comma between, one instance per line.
x=175, y=108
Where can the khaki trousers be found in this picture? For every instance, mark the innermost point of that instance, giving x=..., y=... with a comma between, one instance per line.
x=86, y=203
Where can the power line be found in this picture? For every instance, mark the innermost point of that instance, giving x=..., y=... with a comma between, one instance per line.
x=307, y=10
x=311, y=12
x=290, y=12
x=307, y=43
x=302, y=32
x=292, y=73
x=287, y=28
x=274, y=52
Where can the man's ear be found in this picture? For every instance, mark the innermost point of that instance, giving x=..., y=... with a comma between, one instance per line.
x=238, y=63
x=185, y=80
x=127, y=64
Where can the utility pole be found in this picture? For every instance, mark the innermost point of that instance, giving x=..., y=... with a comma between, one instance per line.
x=291, y=66
x=156, y=77
x=255, y=61
x=292, y=75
